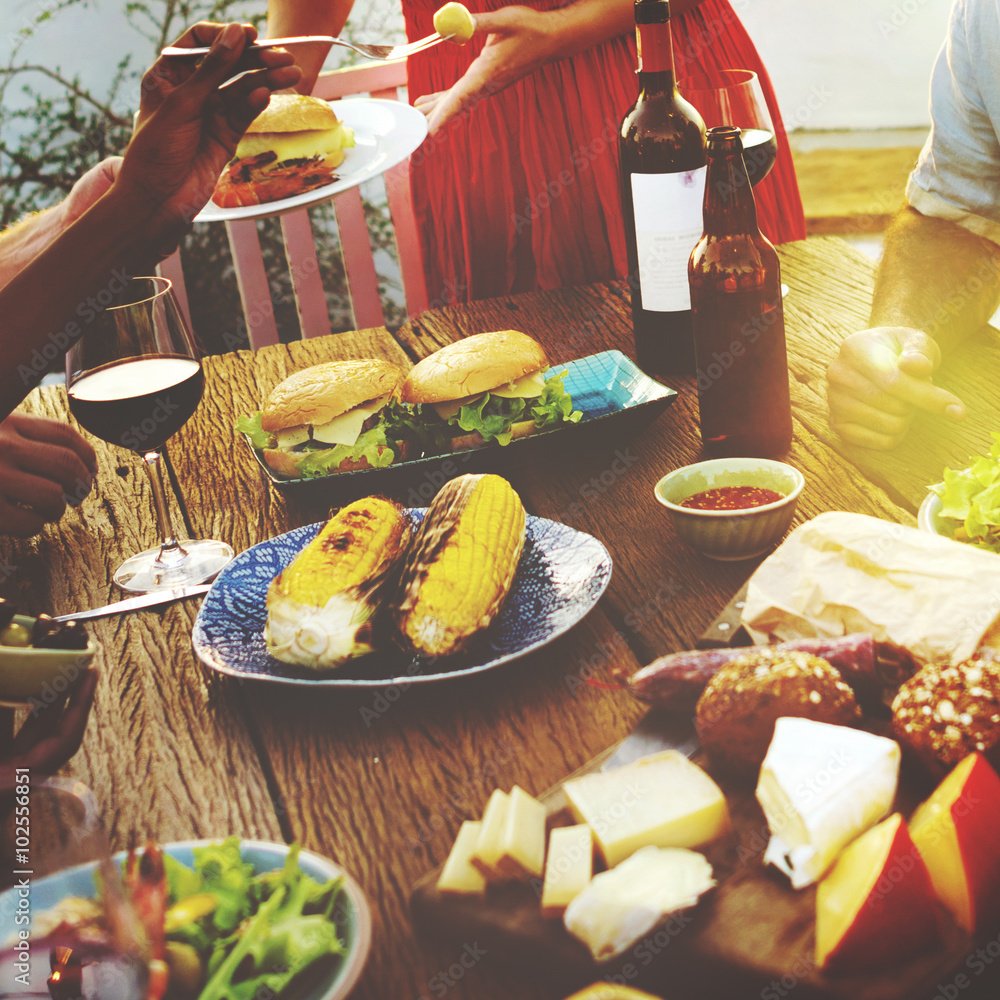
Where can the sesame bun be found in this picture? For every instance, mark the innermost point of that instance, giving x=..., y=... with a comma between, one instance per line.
x=318, y=394
x=473, y=365
x=294, y=113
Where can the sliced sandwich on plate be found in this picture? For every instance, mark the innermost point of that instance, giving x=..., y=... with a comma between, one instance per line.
x=293, y=146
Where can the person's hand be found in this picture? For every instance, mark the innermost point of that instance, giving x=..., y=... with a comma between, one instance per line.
x=192, y=115
x=519, y=41
x=878, y=382
x=43, y=465
x=50, y=735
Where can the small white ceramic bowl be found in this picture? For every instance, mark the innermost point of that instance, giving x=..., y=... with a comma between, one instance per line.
x=27, y=673
x=732, y=534
x=929, y=517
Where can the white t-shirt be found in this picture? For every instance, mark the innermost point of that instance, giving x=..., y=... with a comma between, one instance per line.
x=958, y=174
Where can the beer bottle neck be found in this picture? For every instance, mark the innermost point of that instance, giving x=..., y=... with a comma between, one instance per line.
x=729, y=203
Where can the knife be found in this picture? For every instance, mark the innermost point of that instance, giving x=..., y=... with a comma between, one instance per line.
x=149, y=600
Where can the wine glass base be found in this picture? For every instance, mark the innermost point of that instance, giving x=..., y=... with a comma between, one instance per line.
x=202, y=561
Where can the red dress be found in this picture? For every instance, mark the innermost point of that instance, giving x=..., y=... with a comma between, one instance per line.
x=521, y=192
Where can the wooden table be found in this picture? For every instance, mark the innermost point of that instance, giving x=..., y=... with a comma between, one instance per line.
x=380, y=781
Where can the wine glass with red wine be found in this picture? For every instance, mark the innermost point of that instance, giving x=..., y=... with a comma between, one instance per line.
x=134, y=380
x=738, y=100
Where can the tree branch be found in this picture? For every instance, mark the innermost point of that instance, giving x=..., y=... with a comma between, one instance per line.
x=84, y=95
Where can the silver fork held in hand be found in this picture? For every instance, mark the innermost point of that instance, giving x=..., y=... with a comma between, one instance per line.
x=369, y=51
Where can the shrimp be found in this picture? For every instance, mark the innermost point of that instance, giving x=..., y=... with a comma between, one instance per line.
x=247, y=181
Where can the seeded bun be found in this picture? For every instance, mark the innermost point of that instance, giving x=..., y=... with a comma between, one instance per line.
x=318, y=394
x=737, y=711
x=293, y=113
x=473, y=365
x=944, y=713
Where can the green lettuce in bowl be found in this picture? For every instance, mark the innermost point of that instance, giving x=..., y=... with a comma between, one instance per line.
x=966, y=504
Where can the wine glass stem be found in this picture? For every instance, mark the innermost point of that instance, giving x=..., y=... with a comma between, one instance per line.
x=170, y=549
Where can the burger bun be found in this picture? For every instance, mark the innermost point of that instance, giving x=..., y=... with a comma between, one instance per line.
x=317, y=394
x=474, y=365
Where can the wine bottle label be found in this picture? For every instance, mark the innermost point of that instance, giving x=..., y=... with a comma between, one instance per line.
x=668, y=224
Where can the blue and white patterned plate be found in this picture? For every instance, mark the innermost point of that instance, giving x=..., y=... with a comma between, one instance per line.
x=561, y=576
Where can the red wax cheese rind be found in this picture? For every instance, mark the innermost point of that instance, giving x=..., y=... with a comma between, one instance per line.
x=877, y=906
x=957, y=831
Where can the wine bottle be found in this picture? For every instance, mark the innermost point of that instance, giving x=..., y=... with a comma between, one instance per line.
x=662, y=162
x=739, y=327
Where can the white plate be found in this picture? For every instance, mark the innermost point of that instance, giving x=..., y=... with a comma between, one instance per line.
x=385, y=133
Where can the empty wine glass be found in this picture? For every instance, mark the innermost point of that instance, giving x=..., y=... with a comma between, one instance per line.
x=738, y=100
x=134, y=379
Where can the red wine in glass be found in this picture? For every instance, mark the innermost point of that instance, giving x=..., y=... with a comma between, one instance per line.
x=737, y=99
x=134, y=380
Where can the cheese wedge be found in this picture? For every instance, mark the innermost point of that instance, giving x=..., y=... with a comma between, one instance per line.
x=821, y=786
x=568, y=867
x=292, y=436
x=620, y=905
x=489, y=845
x=663, y=800
x=346, y=429
x=459, y=876
x=522, y=844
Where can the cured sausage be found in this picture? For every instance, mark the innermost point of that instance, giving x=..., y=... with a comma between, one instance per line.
x=874, y=669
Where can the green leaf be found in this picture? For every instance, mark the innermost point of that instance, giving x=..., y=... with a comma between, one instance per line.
x=555, y=404
x=259, y=437
x=371, y=445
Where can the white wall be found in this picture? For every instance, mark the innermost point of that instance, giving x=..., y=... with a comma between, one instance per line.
x=848, y=63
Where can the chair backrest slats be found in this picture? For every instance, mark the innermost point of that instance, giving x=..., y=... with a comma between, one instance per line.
x=255, y=293
x=303, y=267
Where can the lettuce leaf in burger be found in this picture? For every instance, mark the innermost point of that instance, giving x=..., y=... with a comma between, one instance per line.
x=487, y=388
x=328, y=418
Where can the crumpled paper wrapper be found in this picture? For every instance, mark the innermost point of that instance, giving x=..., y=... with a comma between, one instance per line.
x=841, y=573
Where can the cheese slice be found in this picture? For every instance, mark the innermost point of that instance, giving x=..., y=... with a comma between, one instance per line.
x=621, y=905
x=821, y=786
x=569, y=867
x=522, y=845
x=346, y=429
x=663, y=800
x=459, y=876
x=449, y=408
x=489, y=845
x=292, y=436
x=526, y=387
x=292, y=145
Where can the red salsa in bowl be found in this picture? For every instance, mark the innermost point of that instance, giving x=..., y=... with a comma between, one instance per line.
x=732, y=498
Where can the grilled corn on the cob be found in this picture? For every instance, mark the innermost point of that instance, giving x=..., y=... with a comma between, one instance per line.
x=320, y=607
x=461, y=564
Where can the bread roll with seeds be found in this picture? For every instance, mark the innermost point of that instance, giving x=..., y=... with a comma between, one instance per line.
x=737, y=710
x=944, y=712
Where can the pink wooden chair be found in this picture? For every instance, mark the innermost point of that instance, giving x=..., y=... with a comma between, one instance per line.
x=381, y=80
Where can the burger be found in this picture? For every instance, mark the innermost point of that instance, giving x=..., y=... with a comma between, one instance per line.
x=487, y=388
x=294, y=145
x=327, y=418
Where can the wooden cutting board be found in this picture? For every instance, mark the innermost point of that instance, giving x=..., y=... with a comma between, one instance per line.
x=751, y=936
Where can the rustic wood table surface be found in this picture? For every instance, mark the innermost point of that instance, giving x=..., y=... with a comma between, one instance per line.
x=379, y=781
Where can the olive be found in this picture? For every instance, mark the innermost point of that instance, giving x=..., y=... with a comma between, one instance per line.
x=63, y=635
x=7, y=612
x=15, y=635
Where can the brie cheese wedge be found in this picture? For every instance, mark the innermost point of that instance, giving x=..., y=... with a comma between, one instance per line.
x=821, y=786
x=346, y=429
x=620, y=905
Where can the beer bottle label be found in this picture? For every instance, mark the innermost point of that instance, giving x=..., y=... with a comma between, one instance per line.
x=668, y=224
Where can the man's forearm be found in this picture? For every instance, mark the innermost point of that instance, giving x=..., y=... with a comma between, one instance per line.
x=937, y=277
x=49, y=304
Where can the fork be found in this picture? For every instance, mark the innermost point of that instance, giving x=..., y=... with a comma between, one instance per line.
x=370, y=51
